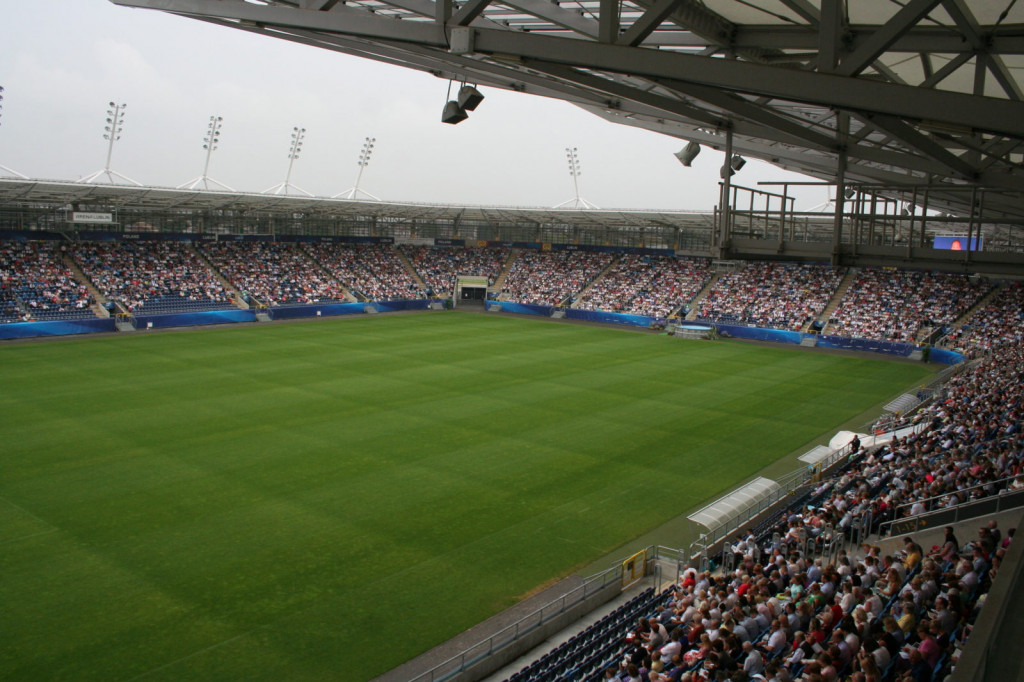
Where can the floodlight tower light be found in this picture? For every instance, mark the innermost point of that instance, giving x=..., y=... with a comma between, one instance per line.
x=210, y=143
x=572, y=155
x=298, y=137
x=364, y=161
x=3, y=167
x=112, y=133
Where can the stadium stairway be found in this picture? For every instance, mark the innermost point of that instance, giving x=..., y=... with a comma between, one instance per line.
x=695, y=303
x=349, y=296
x=500, y=281
x=933, y=334
x=844, y=285
x=981, y=303
x=411, y=270
x=597, y=278
x=236, y=295
x=100, y=308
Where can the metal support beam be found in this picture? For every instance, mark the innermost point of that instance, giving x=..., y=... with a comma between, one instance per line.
x=752, y=112
x=972, y=32
x=843, y=126
x=855, y=94
x=442, y=11
x=341, y=19
x=468, y=12
x=806, y=10
x=925, y=145
x=872, y=48
x=830, y=33
x=648, y=22
x=608, y=31
x=725, y=203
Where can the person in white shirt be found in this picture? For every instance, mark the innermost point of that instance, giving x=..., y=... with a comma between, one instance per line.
x=754, y=662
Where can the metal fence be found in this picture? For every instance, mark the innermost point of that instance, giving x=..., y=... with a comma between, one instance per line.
x=526, y=625
x=961, y=512
x=788, y=487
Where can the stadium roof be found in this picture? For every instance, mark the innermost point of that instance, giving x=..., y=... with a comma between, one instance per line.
x=62, y=193
x=877, y=92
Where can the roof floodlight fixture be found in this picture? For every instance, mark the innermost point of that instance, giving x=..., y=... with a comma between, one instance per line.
x=112, y=133
x=210, y=143
x=4, y=168
x=849, y=193
x=687, y=154
x=736, y=163
x=453, y=112
x=572, y=155
x=469, y=97
x=364, y=161
x=298, y=137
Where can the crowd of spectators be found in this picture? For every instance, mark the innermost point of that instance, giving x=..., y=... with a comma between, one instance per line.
x=374, y=271
x=893, y=305
x=36, y=285
x=439, y=267
x=883, y=304
x=765, y=294
x=970, y=445
x=134, y=273
x=647, y=285
x=551, y=277
x=272, y=273
x=997, y=324
x=786, y=613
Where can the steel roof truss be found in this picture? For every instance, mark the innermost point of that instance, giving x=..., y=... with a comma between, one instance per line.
x=878, y=42
x=925, y=145
x=854, y=94
x=340, y=19
x=648, y=22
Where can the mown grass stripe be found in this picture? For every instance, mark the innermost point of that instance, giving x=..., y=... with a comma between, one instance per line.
x=275, y=502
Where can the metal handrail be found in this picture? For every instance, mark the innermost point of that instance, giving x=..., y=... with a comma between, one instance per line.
x=787, y=487
x=928, y=500
x=1004, y=499
x=525, y=625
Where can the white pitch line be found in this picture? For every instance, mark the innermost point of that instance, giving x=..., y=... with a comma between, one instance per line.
x=26, y=511
x=196, y=653
x=32, y=535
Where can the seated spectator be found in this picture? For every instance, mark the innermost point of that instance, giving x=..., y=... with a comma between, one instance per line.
x=372, y=271
x=763, y=294
x=35, y=284
x=273, y=273
x=647, y=285
x=551, y=278
x=133, y=274
x=894, y=305
x=439, y=267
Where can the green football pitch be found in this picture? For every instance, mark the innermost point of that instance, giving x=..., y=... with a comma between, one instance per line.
x=324, y=500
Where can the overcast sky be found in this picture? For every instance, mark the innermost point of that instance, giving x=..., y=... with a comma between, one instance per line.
x=62, y=61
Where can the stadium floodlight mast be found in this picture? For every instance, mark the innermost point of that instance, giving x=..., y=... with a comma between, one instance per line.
x=298, y=137
x=210, y=143
x=364, y=161
x=111, y=133
x=3, y=167
x=572, y=154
